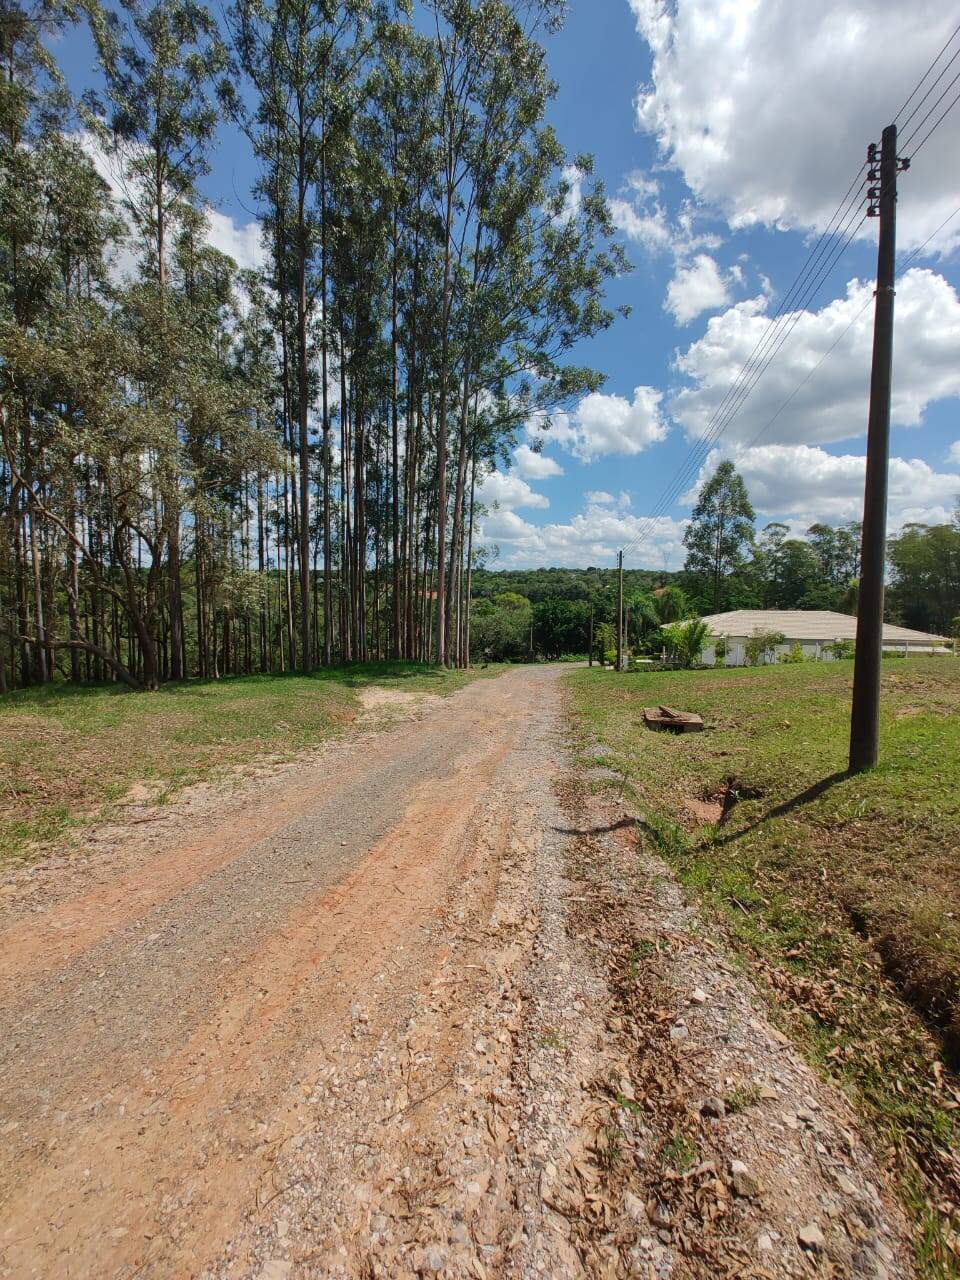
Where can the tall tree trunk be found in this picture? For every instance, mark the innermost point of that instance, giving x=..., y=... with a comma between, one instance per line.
x=20, y=572
x=360, y=530
x=396, y=645
x=442, y=423
x=177, y=663
x=262, y=570
x=43, y=670
x=327, y=444
x=73, y=594
x=468, y=594
x=306, y=658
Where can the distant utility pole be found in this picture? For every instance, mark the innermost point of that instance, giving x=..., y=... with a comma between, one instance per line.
x=865, y=714
x=619, y=610
x=590, y=657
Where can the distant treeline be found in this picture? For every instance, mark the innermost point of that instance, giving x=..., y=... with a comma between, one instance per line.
x=564, y=584
x=528, y=613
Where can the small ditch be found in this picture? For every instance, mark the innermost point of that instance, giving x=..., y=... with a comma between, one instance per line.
x=930, y=989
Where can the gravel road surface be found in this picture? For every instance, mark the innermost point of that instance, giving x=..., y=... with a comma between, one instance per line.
x=365, y=1016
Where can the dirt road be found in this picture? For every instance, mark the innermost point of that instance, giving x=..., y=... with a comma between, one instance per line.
x=411, y=1007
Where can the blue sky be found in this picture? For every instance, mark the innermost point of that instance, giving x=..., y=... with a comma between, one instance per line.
x=726, y=132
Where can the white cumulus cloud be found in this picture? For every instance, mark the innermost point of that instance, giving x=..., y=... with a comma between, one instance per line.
x=649, y=227
x=805, y=484
x=696, y=287
x=591, y=537
x=605, y=424
x=699, y=284
x=508, y=491
x=832, y=404
x=534, y=465
x=573, y=197
x=767, y=108
x=241, y=241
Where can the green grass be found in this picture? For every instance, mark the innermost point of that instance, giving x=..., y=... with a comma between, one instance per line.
x=841, y=894
x=70, y=752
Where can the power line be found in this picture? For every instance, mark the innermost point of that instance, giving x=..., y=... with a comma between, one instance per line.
x=906, y=143
x=904, y=267
x=770, y=343
x=773, y=340
x=833, y=346
x=759, y=358
x=916, y=89
x=936, y=126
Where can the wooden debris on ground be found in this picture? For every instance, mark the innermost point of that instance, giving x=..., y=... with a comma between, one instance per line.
x=670, y=718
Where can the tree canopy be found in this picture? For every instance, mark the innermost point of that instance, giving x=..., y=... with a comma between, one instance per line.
x=720, y=533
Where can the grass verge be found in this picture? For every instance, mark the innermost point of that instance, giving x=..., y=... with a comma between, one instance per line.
x=68, y=752
x=842, y=894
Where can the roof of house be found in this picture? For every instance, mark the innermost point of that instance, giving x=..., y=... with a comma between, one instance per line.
x=809, y=624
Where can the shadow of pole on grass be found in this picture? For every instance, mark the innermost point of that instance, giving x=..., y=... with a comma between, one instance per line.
x=781, y=810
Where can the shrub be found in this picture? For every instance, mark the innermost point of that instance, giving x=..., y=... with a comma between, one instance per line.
x=721, y=650
x=795, y=654
x=842, y=649
x=500, y=629
x=761, y=646
x=684, y=641
x=605, y=640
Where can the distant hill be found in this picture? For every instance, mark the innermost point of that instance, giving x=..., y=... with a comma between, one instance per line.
x=563, y=584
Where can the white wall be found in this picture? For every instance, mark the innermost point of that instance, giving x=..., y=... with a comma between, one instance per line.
x=812, y=649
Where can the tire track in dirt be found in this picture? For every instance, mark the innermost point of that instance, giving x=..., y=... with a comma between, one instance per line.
x=46, y=941
x=126, y=1156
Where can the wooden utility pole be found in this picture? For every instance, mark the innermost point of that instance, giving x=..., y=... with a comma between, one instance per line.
x=865, y=714
x=590, y=651
x=619, y=610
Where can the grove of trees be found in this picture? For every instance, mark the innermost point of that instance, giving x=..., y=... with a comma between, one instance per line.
x=206, y=470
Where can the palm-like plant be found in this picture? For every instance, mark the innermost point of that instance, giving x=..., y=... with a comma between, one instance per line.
x=685, y=641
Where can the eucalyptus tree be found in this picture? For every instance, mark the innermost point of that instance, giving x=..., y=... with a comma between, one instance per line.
x=301, y=57
x=166, y=74
x=223, y=380
x=427, y=277
x=521, y=283
x=401, y=97
x=54, y=225
x=466, y=38
x=360, y=220
x=257, y=365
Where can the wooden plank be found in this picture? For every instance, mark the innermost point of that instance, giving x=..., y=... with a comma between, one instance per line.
x=672, y=719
